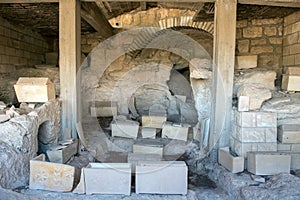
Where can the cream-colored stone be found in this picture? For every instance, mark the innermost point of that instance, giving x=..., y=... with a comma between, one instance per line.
x=231, y=163
x=125, y=128
x=252, y=32
x=292, y=71
x=246, y=62
x=288, y=60
x=268, y=163
x=34, y=89
x=136, y=158
x=50, y=176
x=266, y=21
x=243, y=46
x=291, y=18
x=258, y=42
x=148, y=132
x=144, y=147
x=295, y=49
x=289, y=133
x=270, y=31
x=104, y=109
x=243, y=103
x=290, y=82
x=262, y=49
x=174, y=131
x=275, y=40
x=153, y=121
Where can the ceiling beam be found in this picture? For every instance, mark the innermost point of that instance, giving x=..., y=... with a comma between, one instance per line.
x=29, y=1
x=93, y=16
x=283, y=3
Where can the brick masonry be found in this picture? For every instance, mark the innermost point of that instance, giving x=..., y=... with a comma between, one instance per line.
x=20, y=45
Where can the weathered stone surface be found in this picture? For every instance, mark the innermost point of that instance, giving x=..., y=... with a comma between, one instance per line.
x=50, y=176
x=289, y=133
x=148, y=147
x=104, y=109
x=252, y=32
x=243, y=103
x=172, y=131
x=62, y=153
x=153, y=121
x=154, y=178
x=246, y=62
x=257, y=95
x=136, y=158
x=290, y=82
x=256, y=119
x=125, y=128
x=148, y=132
x=268, y=163
x=231, y=163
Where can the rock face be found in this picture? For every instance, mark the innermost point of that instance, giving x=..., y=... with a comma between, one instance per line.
x=257, y=84
x=19, y=142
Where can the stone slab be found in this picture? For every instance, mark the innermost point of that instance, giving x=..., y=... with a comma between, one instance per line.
x=104, y=109
x=289, y=133
x=62, y=153
x=148, y=132
x=50, y=176
x=243, y=103
x=290, y=82
x=148, y=147
x=246, y=62
x=125, y=128
x=34, y=89
x=254, y=134
x=108, y=178
x=153, y=121
x=161, y=178
x=255, y=119
x=231, y=163
x=292, y=71
x=136, y=158
x=177, y=132
x=268, y=163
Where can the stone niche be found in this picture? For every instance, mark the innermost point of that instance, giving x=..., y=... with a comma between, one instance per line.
x=22, y=137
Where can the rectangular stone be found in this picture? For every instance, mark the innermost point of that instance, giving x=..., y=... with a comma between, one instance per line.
x=290, y=82
x=246, y=62
x=108, y=178
x=243, y=103
x=161, y=178
x=173, y=131
x=153, y=121
x=231, y=163
x=245, y=119
x=125, y=128
x=50, y=176
x=256, y=134
x=34, y=89
x=62, y=153
x=295, y=147
x=268, y=163
x=148, y=132
x=148, y=147
x=266, y=119
x=104, y=109
x=136, y=158
x=268, y=146
x=255, y=119
x=284, y=147
x=289, y=133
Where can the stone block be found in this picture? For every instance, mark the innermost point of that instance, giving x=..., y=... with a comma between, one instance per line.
x=136, y=158
x=295, y=148
x=181, y=97
x=290, y=82
x=153, y=121
x=243, y=103
x=52, y=58
x=289, y=133
x=148, y=147
x=4, y=118
x=256, y=119
x=104, y=109
x=231, y=163
x=50, y=176
x=256, y=134
x=108, y=178
x=246, y=62
x=34, y=89
x=268, y=163
x=252, y=32
x=62, y=153
x=148, y=132
x=161, y=178
x=268, y=146
x=125, y=128
x=284, y=147
x=174, y=131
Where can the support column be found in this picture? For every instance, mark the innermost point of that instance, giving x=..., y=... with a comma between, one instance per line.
x=69, y=61
x=223, y=71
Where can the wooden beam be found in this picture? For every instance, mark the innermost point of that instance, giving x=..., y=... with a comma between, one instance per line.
x=91, y=13
x=29, y=1
x=282, y=3
x=172, y=1
x=223, y=71
x=69, y=61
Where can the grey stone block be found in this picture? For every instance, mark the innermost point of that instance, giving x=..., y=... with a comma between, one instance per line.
x=289, y=133
x=125, y=128
x=148, y=147
x=231, y=163
x=62, y=153
x=177, y=132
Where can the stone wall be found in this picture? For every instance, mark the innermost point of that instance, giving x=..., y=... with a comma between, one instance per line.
x=291, y=40
x=20, y=45
x=19, y=142
x=262, y=37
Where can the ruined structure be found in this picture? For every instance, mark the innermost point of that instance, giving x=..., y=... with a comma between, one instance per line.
x=203, y=92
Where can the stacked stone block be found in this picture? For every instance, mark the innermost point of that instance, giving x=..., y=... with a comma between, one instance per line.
x=254, y=131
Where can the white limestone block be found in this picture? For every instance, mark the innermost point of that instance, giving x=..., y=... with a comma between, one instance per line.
x=62, y=153
x=163, y=177
x=108, y=178
x=148, y=132
x=290, y=82
x=172, y=131
x=289, y=133
x=125, y=128
x=136, y=158
x=268, y=163
x=104, y=109
x=34, y=89
x=153, y=121
x=50, y=176
x=243, y=103
x=246, y=62
x=231, y=163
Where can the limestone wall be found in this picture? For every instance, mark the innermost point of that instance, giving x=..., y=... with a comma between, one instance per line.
x=262, y=37
x=19, y=142
x=291, y=40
